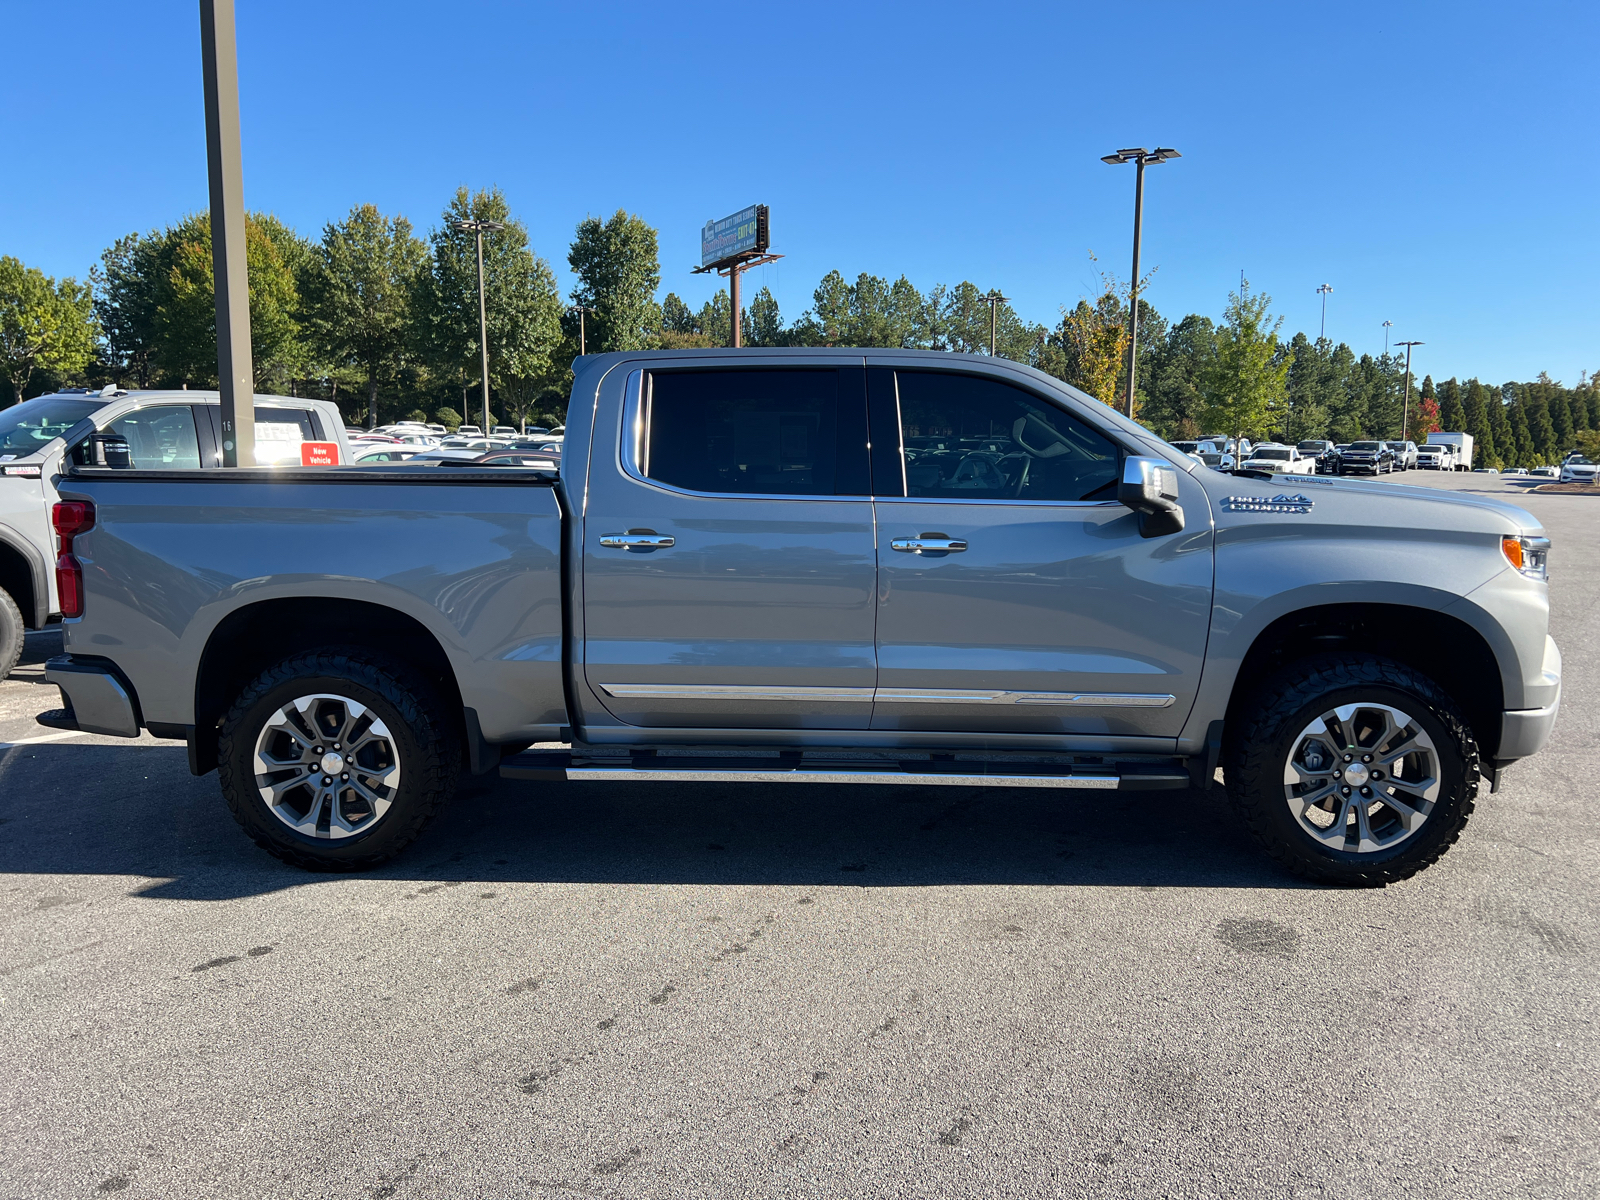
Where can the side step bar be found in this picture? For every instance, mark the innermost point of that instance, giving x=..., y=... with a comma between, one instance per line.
x=548, y=766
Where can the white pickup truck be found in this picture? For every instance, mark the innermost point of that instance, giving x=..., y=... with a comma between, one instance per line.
x=1277, y=459
x=156, y=430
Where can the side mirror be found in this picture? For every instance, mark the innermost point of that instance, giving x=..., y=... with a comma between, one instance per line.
x=109, y=450
x=1150, y=487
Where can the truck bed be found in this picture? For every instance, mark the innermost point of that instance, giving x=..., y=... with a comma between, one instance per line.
x=472, y=557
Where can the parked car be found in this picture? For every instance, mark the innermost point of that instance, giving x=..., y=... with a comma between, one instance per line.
x=1217, y=460
x=1515, y=471
x=1577, y=470
x=1366, y=458
x=132, y=431
x=1486, y=471
x=1545, y=472
x=367, y=455
x=1314, y=447
x=520, y=458
x=702, y=595
x=469, y=431
x=1185, y=446
x=1281, y=460
x=1405, y=454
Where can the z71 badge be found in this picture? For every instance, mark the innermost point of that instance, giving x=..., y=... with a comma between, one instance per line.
x=1267, y=504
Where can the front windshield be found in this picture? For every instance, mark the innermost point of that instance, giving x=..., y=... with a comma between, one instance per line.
x=1580, y=461
x=26, y=427
x=1363, y=445
x=1310, y=446
x=1272, y=454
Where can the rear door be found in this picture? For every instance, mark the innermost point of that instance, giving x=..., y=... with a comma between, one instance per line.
x=728, y=550
x=1015, y=594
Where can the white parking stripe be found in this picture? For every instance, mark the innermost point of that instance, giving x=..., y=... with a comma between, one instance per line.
x=44, y=737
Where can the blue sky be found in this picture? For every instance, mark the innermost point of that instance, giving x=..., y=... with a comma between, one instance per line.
x=1435, y=163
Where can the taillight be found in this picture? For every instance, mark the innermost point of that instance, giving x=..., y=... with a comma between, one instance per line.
x=70, y=517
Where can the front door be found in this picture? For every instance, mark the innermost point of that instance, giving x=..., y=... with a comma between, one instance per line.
x=1015, y=594
x=728, y=551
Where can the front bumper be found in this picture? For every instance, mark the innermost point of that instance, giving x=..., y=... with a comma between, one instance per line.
x=1524, y=731
x=97, y=698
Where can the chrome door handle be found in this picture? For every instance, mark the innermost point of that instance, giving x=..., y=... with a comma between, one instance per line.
x=636, y=540
x=927, y=541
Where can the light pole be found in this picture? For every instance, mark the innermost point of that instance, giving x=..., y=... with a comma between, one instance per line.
x=1142, y=158
x=1386, y=326
x=1323, y=292
x=583, y=340
x=994, y=300
x=479, y=228
x=1405, y=409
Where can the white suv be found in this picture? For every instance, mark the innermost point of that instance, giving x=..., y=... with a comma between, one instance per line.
x=1280, y=460
x=1578, y=469
x=113, y=428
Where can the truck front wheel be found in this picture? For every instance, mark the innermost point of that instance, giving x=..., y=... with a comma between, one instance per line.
x=335, y=760
x=12, y=633
x=1352, y=769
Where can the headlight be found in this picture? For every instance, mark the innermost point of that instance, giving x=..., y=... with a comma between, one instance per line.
x=1530, y=555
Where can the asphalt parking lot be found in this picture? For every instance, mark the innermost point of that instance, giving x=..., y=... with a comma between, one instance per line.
x=662, y=991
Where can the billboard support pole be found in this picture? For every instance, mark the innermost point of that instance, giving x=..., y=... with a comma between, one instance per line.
x=733, y=296
x=235, y=373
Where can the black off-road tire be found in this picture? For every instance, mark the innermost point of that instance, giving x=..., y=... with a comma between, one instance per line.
x=12, y=632
x=1260, y=739
x=428, y=744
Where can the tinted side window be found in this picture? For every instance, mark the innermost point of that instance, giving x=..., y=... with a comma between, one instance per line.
x=160, y=437
x=772, y=432
x=968, y=438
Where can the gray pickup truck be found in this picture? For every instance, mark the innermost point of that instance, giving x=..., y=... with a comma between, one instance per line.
x=881, y=567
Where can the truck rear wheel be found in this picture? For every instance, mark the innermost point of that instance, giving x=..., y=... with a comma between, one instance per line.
x=1352, y=770
x=336, y=760
x=12, y=632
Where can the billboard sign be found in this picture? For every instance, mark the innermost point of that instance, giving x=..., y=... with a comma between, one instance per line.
x=743, y=233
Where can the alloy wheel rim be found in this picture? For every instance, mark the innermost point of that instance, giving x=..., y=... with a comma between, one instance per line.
x=1362, y=778
x=327, y=766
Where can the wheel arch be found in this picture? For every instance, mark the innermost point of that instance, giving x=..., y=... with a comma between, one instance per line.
x=1438, y=644
x=23, y=574
x=252, y=638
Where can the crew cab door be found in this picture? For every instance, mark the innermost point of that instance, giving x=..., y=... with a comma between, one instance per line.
x=1015, y=594
x=728, y=550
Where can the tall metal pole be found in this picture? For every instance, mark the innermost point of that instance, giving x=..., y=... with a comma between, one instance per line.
x=483, y=333
x=1386, y=326
x=733, y=296
x=1323, y=292
x=1133, y=303
x=583, y=337
x=994, y=321
x=1405, y=419
x=235, y=371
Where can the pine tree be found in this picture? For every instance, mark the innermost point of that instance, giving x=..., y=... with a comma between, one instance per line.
x=1522, y=443
x=1452, y=414
x=1476, y=404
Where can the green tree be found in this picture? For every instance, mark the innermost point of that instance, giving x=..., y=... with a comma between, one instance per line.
x=763, y=323
x=186, y=311
x=618, y=266
x=360, y=296
x=45, y=324
x=1452, y=413
x=1173, y=400
x=1311, y=389
x=1476, y=403
x=521, y=303
x=1244, y=381
x=127, y=286
x=1521, y=442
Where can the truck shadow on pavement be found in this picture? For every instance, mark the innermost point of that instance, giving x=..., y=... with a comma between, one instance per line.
x=136, y=811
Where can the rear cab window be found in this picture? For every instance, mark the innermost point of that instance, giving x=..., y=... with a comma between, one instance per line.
x=767, y=432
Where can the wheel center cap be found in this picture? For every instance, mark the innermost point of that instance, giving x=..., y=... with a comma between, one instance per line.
x=1356, y=774
x=332, y=763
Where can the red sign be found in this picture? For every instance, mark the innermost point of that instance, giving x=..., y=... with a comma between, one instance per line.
x=319, y=454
